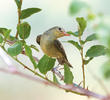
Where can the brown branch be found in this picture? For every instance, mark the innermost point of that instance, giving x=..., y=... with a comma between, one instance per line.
x=70, y=88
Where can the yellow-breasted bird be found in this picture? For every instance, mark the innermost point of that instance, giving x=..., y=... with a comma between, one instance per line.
x=51, y=46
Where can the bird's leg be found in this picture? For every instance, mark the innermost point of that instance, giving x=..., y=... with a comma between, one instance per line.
x=61, y=68
x=80, y=83
x=58, y=73
x=56, y=67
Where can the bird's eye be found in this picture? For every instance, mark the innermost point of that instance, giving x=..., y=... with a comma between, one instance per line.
x=60, y=29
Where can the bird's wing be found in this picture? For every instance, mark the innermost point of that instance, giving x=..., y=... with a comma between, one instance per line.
x=60, y=47
x=38, y=39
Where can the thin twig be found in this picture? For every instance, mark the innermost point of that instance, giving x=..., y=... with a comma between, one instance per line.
x=19, y=21
x=82, y=58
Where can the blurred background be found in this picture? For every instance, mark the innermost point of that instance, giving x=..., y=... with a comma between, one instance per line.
x=54, y=13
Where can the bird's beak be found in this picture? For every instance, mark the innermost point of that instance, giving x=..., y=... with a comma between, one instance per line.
x=66, y=34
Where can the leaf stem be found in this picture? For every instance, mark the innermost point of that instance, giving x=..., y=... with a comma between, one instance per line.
x=19, y=21
x=82, y=58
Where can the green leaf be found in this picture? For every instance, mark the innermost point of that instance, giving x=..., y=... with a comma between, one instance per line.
x=2, y=30
x=1, y=39
x=34, y=47
x=82, y=42
x=76, y=7
x=46, y=64
x=68, y=76
x=18, y=3
x=15, y=49
x=24, y=30
x=76, y=34
x=96, y=50
x=75, y=44
x=28, y=52
x=55, y=80
x=106, y=69
x=7, y=33
x=87, y=61
x=91, y=38
x=12, y=38
x=28, y=12
x=82, y=24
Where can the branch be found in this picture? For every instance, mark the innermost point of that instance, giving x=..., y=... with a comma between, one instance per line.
x=70, y=88
x=81, y=90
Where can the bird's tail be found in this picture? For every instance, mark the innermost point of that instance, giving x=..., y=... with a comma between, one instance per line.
x=63, y=61
x=67, y=62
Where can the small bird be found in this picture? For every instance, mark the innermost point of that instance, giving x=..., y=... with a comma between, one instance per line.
x=51, y=46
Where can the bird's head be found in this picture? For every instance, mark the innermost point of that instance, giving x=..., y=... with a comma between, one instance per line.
x=57, y=32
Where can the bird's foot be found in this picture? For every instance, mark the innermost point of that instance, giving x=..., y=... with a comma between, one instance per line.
x=80, y=83
x=57, y=67
x=61, y=68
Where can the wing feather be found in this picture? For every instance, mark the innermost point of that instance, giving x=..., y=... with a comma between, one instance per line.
x=60, y=48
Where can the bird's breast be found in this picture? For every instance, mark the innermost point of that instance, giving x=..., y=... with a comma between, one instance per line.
x=49, y=48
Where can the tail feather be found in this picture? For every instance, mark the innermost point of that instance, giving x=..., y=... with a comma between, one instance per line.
x=63, y=61
x=66, y=62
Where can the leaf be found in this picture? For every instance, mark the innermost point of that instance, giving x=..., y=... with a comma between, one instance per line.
x=7, y=33
x=106, y=69
x=2, y=30
x=18, y=3
x=68, y=76
x=96, y=50
x=24, y=30
x=82, y=42
x=28, y=52
x=87, y=61
x=46, y=64
x=28, y=12
x=55, y=80
x=76, y=34
x=82, y=25
x=1, y=39
x=91, y=38
x=75, y=44
x=34, y=47
x=12, y=38
x=76, y=7
x=15, y=49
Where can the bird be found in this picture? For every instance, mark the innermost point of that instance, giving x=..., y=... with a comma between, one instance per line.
x=51, y=46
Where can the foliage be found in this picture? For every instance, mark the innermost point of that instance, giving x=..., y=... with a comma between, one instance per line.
x=15, y=49
x=68, y=76
x=46, y=64
x=76, y=6
x=24, y=30
x=28, y=12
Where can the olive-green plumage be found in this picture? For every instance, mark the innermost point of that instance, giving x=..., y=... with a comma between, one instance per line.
x=51, y=46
